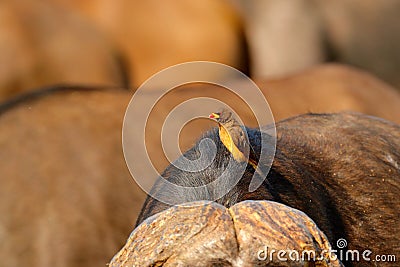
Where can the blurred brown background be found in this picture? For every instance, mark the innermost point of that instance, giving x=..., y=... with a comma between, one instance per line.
x=66, y=196
x=123, y=43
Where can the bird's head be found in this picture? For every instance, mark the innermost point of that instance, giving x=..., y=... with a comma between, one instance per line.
x=222, y=116
x=215, y=116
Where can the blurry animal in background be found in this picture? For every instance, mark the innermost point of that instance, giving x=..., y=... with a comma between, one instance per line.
x=286, y=36
x=65, y=187
x=331, y=88
x=66, y=196
x=154, y=35
x=105, y=42
x=326, y=88
x=283, y=36
x=42, y=45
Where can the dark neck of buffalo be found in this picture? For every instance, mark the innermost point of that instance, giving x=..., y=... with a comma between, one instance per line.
x=342, y=170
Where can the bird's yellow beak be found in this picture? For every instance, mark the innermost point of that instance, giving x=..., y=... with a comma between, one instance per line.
x=214, y=116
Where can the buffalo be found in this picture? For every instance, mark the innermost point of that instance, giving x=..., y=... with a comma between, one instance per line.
x=154, y=35
x=67, y=198
x=341, y=171
x=41, y=45
x=64, y=185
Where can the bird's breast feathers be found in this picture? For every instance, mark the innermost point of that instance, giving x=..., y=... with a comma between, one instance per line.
x=228, y=142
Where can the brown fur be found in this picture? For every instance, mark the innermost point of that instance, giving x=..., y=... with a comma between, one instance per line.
x=155, y=34
x=326, y=88
x=66, y=194
x=42, y=44
x=64, y=186
x=342, y=170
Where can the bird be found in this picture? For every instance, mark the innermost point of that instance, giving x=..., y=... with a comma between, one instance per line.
x=234, y=138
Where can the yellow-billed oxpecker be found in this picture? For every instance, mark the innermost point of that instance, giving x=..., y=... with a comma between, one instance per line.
x=234, y=138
